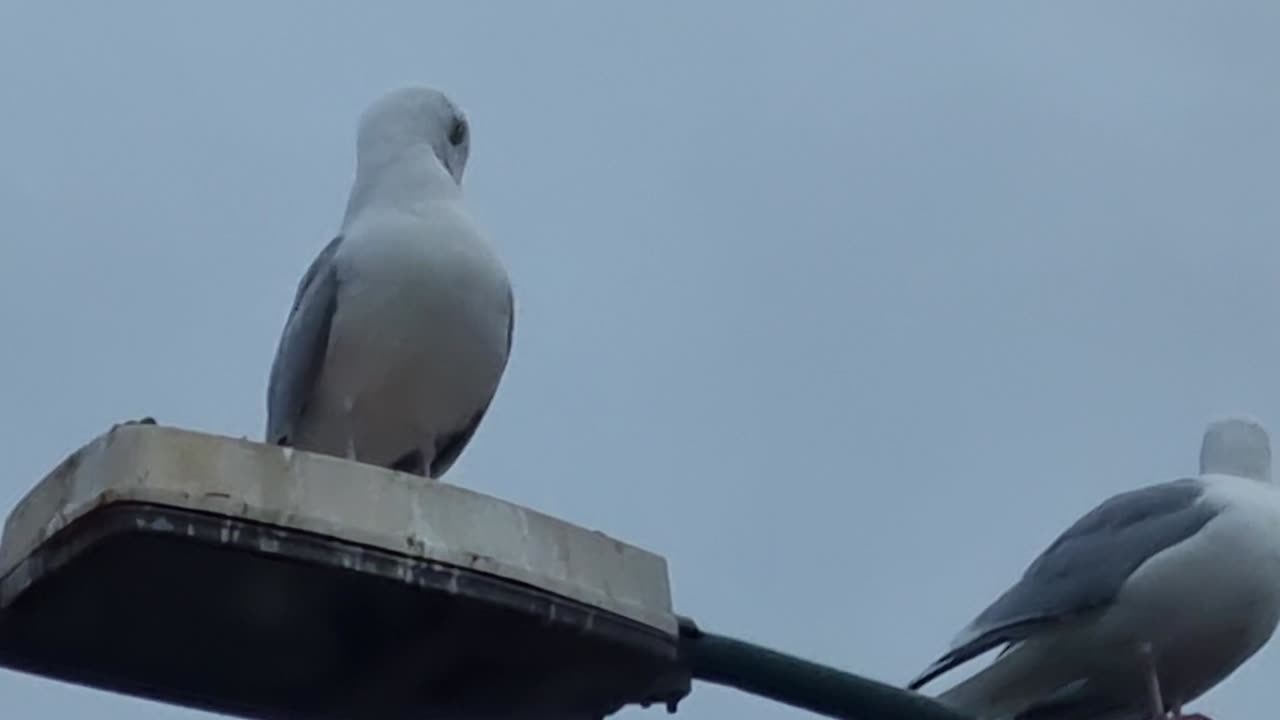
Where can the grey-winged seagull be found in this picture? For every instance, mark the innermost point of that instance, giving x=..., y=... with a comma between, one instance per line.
x=400, y=329
x=1142, y=605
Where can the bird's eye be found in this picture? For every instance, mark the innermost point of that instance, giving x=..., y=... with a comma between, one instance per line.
x=458, y=133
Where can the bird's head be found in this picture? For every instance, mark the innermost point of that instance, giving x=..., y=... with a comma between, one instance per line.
x=414, y=117
x=1236, y=446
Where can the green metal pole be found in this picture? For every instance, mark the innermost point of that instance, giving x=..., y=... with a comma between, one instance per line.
x=786, y=679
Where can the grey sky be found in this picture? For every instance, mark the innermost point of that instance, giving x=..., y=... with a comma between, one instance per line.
x=847, y=309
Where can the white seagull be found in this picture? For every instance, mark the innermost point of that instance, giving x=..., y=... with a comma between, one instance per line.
x=400, y=329
x=1142, y=605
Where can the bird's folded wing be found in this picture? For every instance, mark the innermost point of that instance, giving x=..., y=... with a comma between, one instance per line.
x=1084, y=569
x=303, y=345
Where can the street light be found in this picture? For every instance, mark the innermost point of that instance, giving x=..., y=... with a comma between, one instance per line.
x=255, y=581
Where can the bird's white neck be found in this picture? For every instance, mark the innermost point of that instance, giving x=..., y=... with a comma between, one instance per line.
x=403, y=181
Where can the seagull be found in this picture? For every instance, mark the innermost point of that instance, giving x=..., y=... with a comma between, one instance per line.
x=1141, y=606
x=401, y=327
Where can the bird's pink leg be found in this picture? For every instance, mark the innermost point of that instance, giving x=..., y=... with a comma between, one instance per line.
x=1154, y=696
x=347, y=410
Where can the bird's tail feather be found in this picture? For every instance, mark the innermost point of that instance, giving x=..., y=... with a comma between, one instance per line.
x=1009, y=685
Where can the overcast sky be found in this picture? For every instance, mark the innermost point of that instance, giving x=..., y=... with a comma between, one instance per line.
x=847, y=309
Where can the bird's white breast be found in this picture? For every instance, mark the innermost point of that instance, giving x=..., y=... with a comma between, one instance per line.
x=419, y=337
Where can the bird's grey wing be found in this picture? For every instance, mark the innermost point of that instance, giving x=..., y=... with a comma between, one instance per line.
x=1084, y=568
x=450, y=445
x=300, y=355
